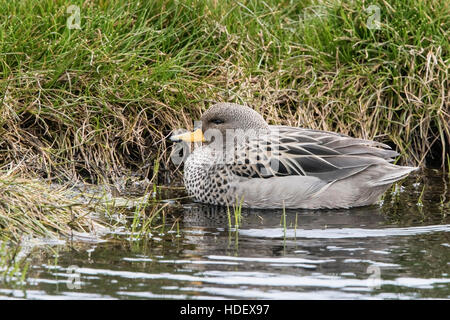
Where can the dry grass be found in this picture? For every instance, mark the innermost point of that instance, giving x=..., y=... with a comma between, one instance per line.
x=29, y=208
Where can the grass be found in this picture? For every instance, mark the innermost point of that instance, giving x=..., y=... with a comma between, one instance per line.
x=13, y=268
x=295, y=226
x=30, y=208
x=237, y=212
x=283, y=217
x=97, y=103
x=145, y=218
x=237, y=209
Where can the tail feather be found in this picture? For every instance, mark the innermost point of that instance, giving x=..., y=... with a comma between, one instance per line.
x=392, y=174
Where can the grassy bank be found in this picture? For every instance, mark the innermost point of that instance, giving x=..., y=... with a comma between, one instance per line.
x=98, y=101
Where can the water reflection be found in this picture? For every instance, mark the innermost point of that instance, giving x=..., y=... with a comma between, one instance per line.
x=399, y=249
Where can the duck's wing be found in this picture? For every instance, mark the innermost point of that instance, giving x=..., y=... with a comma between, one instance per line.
x=288, y=151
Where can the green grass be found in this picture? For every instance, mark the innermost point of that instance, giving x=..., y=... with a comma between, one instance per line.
x=283, y=217
x=13, y=268
x=144, y=218
x=237, y=213
x=237, y=210
x=98, y=102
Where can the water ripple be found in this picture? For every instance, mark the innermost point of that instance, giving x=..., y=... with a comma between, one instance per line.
x=342, y=233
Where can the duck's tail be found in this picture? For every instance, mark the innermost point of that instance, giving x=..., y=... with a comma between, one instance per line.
x=391, y=173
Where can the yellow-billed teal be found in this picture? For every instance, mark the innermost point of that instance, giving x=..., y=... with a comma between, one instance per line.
x=245, y=159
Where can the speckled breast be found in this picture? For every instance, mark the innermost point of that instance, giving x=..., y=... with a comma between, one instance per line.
x=206, y=179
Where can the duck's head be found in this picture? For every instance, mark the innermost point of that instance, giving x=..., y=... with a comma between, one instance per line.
x=224, y=119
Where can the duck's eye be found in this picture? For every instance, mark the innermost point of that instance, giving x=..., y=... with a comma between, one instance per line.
x=217, y=121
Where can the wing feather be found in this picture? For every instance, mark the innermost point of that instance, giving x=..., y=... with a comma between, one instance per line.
x=326, y=155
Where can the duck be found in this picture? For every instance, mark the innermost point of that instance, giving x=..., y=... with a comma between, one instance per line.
x=238, y=158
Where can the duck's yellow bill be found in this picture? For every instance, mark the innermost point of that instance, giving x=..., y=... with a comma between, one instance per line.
x=196, y=136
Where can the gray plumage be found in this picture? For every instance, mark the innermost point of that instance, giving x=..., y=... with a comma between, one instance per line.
x=277, y=166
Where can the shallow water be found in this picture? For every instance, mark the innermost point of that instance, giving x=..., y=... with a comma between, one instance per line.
x=397, y=250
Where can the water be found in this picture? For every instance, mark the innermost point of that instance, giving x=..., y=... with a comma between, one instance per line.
x=397, y=250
